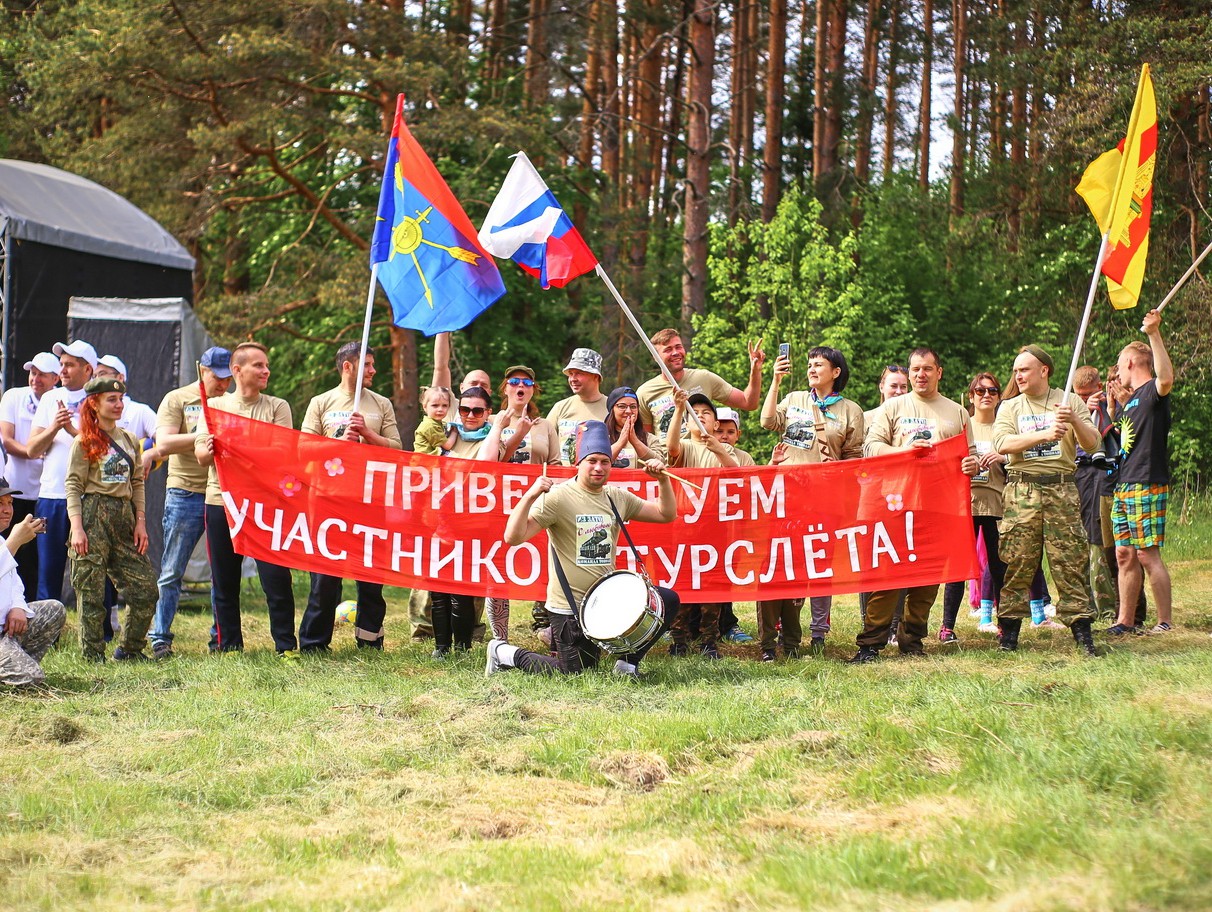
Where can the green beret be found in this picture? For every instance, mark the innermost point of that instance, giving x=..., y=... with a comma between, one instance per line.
x=104, y=385
x=1041, y=356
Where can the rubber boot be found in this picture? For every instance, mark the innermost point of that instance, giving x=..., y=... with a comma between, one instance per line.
x=1083, y=636
x=1007, y=639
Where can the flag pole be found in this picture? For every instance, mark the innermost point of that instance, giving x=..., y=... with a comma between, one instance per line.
x=1081, y=331
x=647, y=344
x=370, y=301
x=1183, y=281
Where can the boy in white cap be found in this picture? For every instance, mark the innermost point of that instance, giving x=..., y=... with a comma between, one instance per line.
x=571, y=513
x=17, y=409
x=55, y=425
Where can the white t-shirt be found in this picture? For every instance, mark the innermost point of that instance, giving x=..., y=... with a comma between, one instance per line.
x=17, y=407
x=54, y=462
x=138, y=419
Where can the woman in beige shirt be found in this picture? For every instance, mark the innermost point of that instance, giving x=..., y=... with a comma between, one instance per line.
x=104, y=486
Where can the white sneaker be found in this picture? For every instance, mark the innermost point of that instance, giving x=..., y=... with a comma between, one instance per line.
x=491, y=664
x=1050, y=611
x=1048, y=624
x=987, y=628
x=626, y=669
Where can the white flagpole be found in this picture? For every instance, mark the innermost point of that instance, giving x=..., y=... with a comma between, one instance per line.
x=1183, y=281
x=370, y=301
x=647, y=343
x=1081, y=332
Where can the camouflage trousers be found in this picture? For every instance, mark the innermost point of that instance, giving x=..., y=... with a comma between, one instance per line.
x=20, y=656
x=109, y=523
x=1041, y=519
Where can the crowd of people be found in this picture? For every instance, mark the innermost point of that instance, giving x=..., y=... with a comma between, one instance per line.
x=1080, y=477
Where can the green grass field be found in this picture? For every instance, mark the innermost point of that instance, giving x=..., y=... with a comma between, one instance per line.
x=967, y=780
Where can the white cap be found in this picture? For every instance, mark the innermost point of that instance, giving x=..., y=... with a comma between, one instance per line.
x=723, y=413
x=78, y=349
x=45, y=362
x=115, y=362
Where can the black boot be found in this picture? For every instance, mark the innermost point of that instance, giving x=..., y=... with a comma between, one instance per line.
x=1007, y=637
x=1083, y=637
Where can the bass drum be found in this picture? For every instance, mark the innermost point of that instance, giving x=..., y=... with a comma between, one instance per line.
x=622, y=612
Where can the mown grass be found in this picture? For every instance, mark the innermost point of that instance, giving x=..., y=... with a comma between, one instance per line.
x=967, y=780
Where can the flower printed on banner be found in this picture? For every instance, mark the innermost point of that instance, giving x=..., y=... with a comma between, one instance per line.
x=290, y=486
x=334, y=467
x=895, y=502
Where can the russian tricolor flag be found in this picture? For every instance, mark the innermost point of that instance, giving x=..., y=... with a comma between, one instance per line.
x=527, y=225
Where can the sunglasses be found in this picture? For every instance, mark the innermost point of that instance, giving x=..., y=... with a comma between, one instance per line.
x=520, y=381
x=474, y=412
x=895, y=369
x=987, y=391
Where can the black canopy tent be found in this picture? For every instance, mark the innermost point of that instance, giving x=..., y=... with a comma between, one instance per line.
x=63, y=236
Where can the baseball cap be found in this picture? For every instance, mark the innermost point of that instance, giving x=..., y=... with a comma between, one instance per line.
x=585, y=359
x=218, y=361
x=78, y=349
x=45, y=362
x=113, y=361
x=700, y=399
x=723, y=413
x=5, y=489
x=520, y=369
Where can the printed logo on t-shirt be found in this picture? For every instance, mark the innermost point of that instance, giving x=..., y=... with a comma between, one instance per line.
x=662, y=410
x=566, y=430
x=522, y=453
x=983, y=448
x=593, y=540
x=1033, y=424
x=338, y=419
x=193, y=413
x=114, y=470
x=626, y=459
x=801, y=427
x=913, y=428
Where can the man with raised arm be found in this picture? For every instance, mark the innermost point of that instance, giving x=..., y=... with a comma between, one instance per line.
x=1138, y=507
x=656, y=395
x=574, y=514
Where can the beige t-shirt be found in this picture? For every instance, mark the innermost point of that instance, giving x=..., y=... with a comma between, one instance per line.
x=539, y=446
x=988, y=484
x=110, y=475
x=1025, y=415
x=742, y=457
x=806, y=428
x=905, y=419
x=465, y=449
x=269, y=409
x=328, y=415
x=583, y=531
x=179, y=413
x=695, y=455
x=566, y=414
x=656, y=396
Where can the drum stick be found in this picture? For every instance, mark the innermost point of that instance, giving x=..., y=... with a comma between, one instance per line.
x=688, y=484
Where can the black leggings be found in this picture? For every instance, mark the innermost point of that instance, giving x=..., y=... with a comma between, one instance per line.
x=953, y=593
x=454, y=617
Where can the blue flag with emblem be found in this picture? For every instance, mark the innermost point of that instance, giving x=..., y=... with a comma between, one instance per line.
x=431, y=264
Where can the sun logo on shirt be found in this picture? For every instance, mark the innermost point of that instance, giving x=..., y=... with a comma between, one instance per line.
x=1127, y=435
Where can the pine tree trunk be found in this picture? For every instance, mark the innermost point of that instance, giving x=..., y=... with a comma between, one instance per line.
x=776, y=72
x=536, y=55
x=959, y=17
x=819, y=56
x=866, y=99
x=591, y=107
x=891, y=84
x=924, y=111
x=698, y=164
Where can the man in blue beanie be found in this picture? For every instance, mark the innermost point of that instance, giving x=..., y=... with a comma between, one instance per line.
x=575, y=514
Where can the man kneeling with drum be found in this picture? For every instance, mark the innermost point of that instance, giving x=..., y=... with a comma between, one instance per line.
x=583, y=518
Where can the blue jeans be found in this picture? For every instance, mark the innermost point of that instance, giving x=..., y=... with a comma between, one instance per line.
x=184, y=523
x=52, y=547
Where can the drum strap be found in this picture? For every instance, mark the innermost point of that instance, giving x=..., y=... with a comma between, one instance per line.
x=643, y=571
x=555, y=559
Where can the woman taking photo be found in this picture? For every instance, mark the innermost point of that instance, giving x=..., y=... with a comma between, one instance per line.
x=818, y=425
x=104, y=487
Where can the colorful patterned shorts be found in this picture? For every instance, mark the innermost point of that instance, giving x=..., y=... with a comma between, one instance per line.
x=1138, y=515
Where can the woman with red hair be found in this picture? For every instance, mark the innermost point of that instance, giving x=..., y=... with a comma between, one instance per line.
x=104, y=488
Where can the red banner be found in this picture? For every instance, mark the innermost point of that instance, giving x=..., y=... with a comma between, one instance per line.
x=407, y=519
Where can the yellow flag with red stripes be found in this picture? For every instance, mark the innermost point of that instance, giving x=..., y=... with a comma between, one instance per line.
x=1118, y=188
